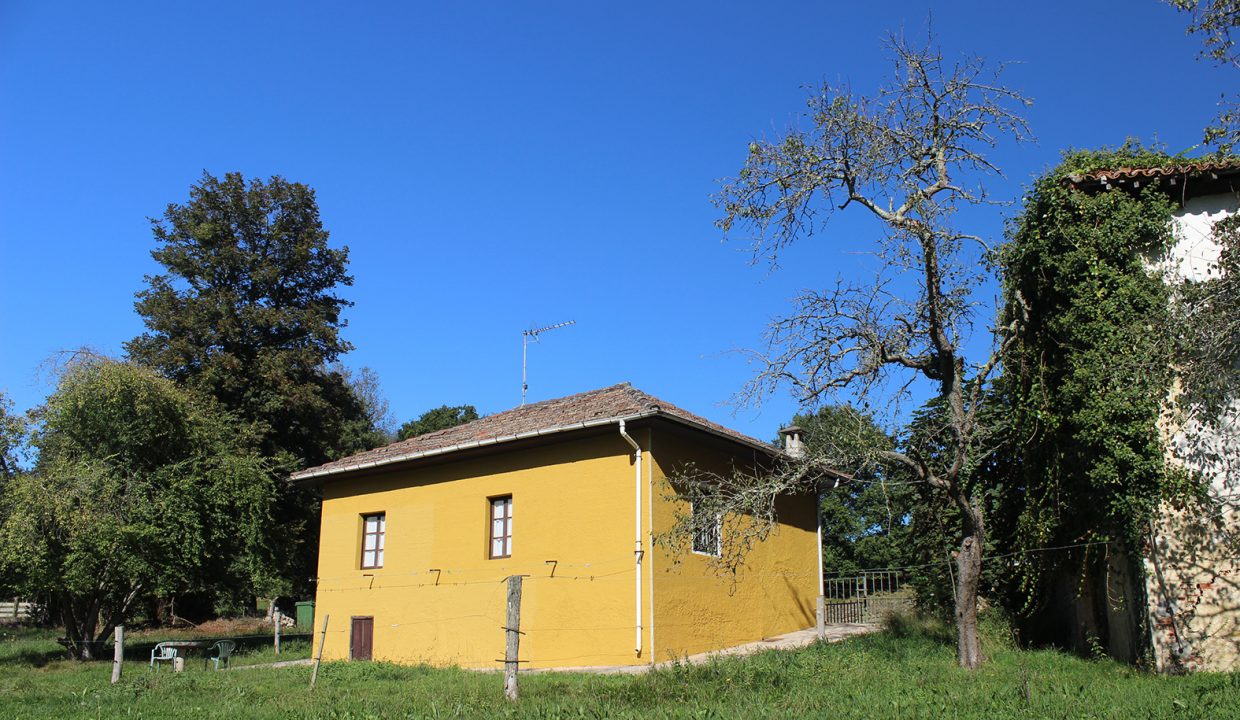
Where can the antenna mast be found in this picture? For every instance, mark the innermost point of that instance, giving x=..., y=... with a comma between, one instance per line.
x=525, y=343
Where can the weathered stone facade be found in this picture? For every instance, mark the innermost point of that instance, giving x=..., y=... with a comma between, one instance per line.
x=1193, y=562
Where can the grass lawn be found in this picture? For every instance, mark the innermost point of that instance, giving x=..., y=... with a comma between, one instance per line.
x=892, y=674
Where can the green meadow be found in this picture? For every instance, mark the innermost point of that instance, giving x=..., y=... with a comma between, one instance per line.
x=906, y=671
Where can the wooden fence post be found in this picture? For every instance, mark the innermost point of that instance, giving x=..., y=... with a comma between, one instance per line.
x=512, y=628
x=118, y=652
x=318, y=658
x=820, y=617
x=275, y=617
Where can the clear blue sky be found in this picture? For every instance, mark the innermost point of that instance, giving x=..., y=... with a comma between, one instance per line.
x=493, y=166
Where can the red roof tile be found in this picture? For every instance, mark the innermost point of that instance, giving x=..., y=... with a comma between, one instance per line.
x=597, y=407
x=1209, y=175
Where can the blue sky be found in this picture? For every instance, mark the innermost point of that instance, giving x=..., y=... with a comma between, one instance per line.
x=496, y=166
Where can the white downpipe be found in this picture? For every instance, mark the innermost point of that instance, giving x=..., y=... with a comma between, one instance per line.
x=637, y=537
x=650, y=532
x=818, y=522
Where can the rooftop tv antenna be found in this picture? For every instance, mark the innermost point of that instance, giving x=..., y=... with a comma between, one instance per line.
x=525, y=343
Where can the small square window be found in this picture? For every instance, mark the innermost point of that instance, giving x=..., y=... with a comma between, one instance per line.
x=500, y=518
x=373, y=532
x=706, y=531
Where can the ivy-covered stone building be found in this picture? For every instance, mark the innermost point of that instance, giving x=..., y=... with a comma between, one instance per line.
x=1190, y=558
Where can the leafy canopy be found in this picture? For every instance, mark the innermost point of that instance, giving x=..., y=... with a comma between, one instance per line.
x=247, y=311
x=13, y=430
x=141, y=489
x=866, y=520
x=440, y=418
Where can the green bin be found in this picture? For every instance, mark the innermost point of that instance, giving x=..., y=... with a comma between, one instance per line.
x=305, y=614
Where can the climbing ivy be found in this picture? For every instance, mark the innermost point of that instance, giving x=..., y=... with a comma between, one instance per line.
x=1088, y=372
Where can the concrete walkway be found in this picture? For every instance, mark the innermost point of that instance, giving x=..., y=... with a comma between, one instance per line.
x=787, y=641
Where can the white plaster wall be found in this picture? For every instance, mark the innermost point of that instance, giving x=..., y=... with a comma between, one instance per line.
x=1195, y=253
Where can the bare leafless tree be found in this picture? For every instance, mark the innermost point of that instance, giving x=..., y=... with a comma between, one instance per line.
x=910, y=157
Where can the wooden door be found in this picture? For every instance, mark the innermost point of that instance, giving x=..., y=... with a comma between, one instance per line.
x=362, y=638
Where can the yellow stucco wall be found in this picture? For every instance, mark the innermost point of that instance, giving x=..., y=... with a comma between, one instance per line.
x=572, y=502
x=695, y=609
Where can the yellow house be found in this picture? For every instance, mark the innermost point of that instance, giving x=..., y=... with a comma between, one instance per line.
x=419, y=537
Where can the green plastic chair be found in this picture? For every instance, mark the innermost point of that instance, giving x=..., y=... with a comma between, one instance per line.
x=223, y=650
x=160, y=653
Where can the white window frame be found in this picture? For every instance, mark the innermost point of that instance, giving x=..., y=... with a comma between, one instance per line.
x=505, y=520
x=380, y=535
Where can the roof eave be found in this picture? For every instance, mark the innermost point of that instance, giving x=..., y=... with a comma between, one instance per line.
x=316, y=473
x=1186, y=181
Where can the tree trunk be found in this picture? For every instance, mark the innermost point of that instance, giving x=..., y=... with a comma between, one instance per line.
x=968, y=580
x=84, y=626
x=89, y=624
x=80, y=621
x=67, y=618
x=163, y=611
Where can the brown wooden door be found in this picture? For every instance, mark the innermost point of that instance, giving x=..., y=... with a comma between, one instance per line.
x=362, y=638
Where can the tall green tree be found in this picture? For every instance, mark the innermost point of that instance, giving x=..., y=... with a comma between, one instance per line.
x=440, y=418
x=13, y=439
x=13, y=428
x=375, y=426
x=866, y=520
x=141, y=489
x=248, y=311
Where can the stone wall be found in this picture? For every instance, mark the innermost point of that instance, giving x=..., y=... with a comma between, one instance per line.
x=1193, y=562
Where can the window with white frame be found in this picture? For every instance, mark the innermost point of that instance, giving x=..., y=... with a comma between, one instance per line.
x=706, y=530
x=501, y=527
x=373, y=531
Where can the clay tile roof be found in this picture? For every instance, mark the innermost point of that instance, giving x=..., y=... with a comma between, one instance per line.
x=1210, y=176
x=574, y=412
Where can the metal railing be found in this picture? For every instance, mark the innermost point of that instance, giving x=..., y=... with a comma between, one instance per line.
x=864, y=598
